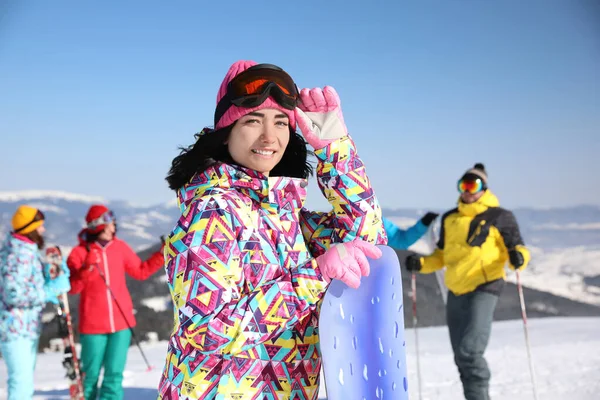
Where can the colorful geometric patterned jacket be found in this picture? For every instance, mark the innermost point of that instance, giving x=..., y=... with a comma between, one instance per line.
x=244, y=280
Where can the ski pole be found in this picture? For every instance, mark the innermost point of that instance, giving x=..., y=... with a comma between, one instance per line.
x=125, y=318
x=526, y=330
x=414, y=310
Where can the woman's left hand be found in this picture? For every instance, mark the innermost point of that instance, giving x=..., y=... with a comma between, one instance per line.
x=319, y=115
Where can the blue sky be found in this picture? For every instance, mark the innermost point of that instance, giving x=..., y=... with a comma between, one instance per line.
x=96, y=98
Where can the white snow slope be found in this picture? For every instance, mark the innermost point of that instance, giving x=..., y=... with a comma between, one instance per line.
x=566, y=353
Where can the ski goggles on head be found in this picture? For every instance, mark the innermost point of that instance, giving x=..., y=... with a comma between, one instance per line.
x=104, y=219
x=39, y=216
x=470, y=185
x=253, y=86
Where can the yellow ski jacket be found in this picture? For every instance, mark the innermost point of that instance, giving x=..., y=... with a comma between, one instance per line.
x=474, y=243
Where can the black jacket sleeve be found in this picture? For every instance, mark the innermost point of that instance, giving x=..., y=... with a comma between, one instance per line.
x=509, y=229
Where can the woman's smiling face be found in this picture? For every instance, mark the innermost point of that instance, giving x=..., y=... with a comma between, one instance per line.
x=259, y=139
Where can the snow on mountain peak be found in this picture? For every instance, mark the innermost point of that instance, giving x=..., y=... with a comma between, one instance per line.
x=26, y=195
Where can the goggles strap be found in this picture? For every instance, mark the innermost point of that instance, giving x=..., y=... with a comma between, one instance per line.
x=268, y=89
x=105, y=218
x=224, y=105
x=39, y=216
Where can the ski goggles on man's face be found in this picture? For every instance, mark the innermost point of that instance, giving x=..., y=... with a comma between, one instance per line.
x=253, y=86
x=104, y=219
x=470, y=185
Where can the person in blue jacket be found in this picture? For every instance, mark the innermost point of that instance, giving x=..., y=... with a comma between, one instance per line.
x=401, y=239
x=25, y=287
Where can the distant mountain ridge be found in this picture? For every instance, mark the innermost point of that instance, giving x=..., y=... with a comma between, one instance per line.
x=142, y=225
x=565, y=242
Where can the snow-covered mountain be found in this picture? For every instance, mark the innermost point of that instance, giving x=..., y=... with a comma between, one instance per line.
x=565, y=242
x=140, y=226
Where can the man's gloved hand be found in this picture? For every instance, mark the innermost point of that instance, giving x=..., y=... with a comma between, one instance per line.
x=163, y=243
x=429, y=218
x=413, y=263
x=516, y=258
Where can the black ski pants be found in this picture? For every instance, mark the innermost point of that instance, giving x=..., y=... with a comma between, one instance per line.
x=469, y=319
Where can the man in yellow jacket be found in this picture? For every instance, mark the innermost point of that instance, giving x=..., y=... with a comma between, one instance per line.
x=476, y=240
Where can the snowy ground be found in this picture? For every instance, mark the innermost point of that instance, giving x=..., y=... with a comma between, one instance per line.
x=566, y=352
x=158, y=303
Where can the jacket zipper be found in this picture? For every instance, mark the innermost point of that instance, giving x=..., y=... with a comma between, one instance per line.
x=469, y=241
x=108, y=297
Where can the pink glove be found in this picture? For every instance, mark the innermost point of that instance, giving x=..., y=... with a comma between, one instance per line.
x=319, y=116
x=348, y=261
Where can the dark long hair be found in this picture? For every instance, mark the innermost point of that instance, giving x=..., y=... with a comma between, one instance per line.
x=211, y=147
x=90, y=238
x=36, y=238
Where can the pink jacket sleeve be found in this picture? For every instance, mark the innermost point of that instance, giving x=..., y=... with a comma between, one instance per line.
x=75, y=262
x=138, y=269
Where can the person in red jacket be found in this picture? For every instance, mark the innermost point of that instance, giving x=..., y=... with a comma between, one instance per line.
x=98, y=266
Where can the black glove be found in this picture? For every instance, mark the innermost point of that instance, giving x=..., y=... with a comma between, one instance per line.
x=428, y=218
x=516, y=258
x=413, y=263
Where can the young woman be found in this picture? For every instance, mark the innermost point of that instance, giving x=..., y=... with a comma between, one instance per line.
x=246, y=263
x=98, y=266
x=24, y=290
